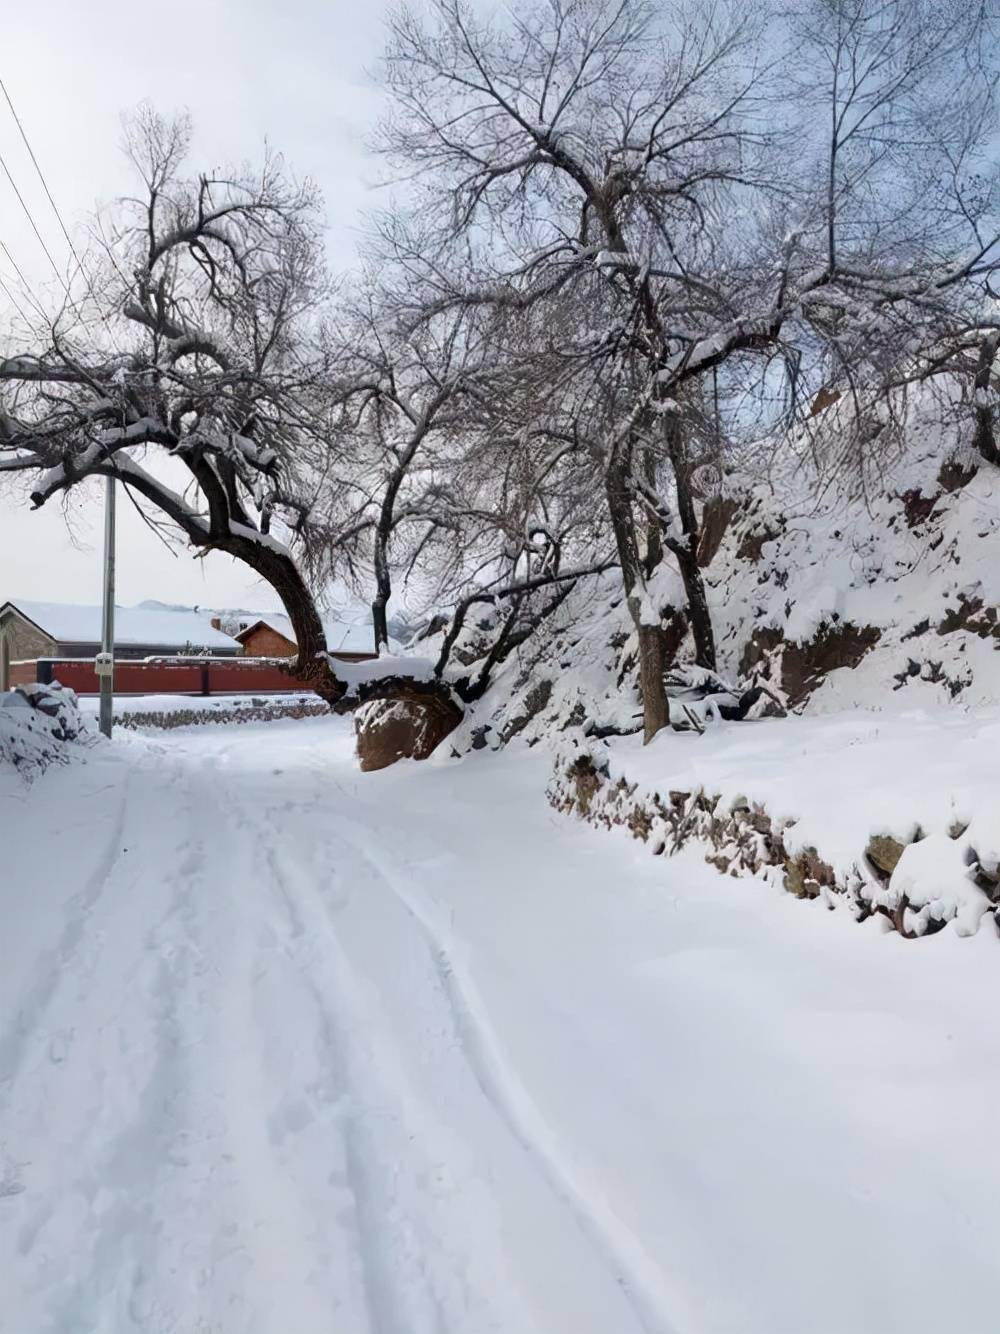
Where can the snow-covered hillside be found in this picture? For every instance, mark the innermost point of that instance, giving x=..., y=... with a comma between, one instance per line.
x=872, y=586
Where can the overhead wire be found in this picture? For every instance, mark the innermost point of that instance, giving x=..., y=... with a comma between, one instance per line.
x=81, y=267
x=24, y=282
x=41, y=240
x=41, y=177
x=14, y=301
x=34, y=225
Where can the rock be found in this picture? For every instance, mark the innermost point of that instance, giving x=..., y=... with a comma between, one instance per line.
x=801, y=667
x=884, y=851
x=716, y=518
x=401, y=729
x=534, y=702
x=586, y=779
x=806, y=875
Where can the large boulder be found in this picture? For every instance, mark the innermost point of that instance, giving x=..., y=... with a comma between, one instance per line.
x=408, y=728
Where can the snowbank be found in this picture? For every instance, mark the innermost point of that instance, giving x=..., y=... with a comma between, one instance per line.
x=38, y=726
x=355, y=674
x=816, y=792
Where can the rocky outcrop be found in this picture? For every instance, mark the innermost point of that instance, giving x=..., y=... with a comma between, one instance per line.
x=798, y=668
x=883, y=853
x=401, y=729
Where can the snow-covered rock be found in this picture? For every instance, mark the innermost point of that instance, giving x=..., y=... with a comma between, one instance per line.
x=38, y=725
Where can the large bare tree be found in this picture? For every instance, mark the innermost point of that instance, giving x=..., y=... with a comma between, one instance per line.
x=701, y=190
x=188, y=335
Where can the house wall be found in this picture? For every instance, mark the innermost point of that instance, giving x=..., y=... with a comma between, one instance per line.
x=264, y=642
x=25, y=641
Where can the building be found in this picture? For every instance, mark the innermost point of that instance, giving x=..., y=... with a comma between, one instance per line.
x=271, y=636
x=35, y=635
x=32, y=630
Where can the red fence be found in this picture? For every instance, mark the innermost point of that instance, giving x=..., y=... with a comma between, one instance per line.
x=172, y=676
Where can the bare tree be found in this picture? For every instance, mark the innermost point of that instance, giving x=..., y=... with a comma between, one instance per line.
x=654, y=177
x=409, y=407
x=195, y=345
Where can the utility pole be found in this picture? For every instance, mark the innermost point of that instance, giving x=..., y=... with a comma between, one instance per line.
x=106, y=658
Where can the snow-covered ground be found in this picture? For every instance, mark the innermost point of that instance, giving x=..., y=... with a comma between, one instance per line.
x=288, y=1048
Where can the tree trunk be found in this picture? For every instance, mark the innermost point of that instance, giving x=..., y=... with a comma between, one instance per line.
x=984, y=438
x=698, y=611
x=686, y=550
x=654, y=528
x=312, y=667
x=652, y=665
x=383, y=581
x=379, y=621
x=652, y=647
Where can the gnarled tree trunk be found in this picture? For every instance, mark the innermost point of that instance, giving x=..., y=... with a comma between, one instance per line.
x=312, y=666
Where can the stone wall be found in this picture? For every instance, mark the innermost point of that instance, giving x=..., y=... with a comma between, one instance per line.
x=739, y=837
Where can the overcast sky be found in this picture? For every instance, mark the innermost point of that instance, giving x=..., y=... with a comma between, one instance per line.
x=295, y=72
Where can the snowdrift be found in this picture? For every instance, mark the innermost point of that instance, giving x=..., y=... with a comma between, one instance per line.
x=40, y=725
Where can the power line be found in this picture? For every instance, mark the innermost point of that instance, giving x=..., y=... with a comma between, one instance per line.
x=41, y=177
x=14, y=302
x=55, y=209
x=24, y=282
x=34, y=225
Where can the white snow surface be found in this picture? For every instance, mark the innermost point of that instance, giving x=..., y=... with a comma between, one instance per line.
x=839, y=777
x=284, y=1047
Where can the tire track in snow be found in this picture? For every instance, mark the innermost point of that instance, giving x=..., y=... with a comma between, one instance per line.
x=285, y=1092
x=54, y=963
x=620, y=1250
x=427, y=1270
x=390, y=1309
x=102, y=1204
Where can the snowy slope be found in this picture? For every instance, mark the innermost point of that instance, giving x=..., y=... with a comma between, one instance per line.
x=890, y=567
x=288, y=1048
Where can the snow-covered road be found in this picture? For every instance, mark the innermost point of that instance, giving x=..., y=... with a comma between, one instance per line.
x=288, y=1049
